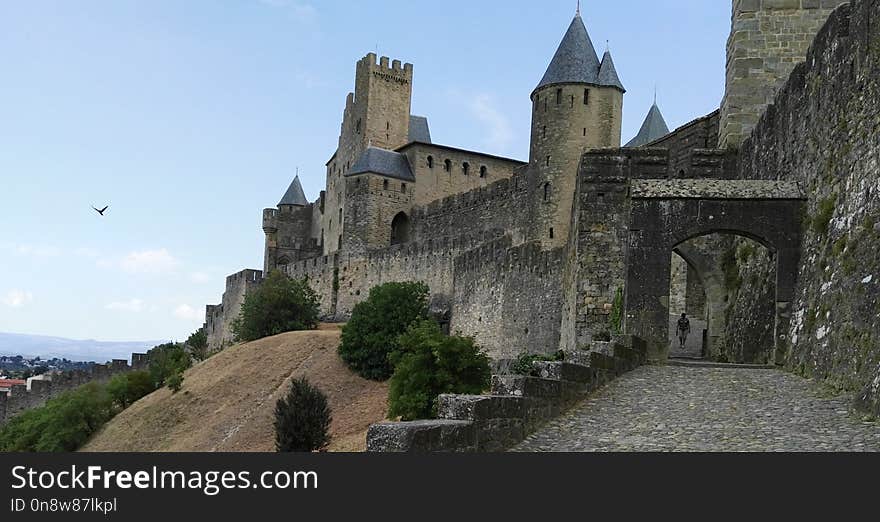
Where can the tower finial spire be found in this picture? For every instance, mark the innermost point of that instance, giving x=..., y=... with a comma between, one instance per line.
x=655, y=94
x=578, y=12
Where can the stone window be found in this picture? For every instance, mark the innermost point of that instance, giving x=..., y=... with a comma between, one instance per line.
x=403, y=188
x=558, y=96
x=340, y=215
x=483, y=171
x=585, y=132
x=586, y=96
x=385, y=184
x=447, y=165
x=548, y=161
x=387, y=125
x=551, y=233
x=466, y=168
x=400, y=229
x=358, y=126
x=430, y=162
x=547, y=191
x=572, y=101
x=544, y=132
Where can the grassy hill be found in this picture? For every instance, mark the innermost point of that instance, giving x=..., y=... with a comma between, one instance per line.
x=227, y=402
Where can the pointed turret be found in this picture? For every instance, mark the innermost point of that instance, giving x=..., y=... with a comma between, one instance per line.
x=294, y=195
x=652, y=129
x=575, y=60
x=608, y=73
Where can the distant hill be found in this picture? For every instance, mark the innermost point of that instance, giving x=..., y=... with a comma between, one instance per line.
x=227, y=402
x=87, y=350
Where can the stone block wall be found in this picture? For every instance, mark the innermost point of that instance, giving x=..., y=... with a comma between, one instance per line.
x=823, y=131
x=509, y=299
x=768, y=38
x=218, y=318
x=20, y=398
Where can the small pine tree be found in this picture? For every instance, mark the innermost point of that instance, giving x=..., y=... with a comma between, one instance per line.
x=302, y=419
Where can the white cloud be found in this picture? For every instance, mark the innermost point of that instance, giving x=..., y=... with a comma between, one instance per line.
x=33, y=251
x=188, y=313
x=200, y=278
x=132, y=305
x=145, y=262
x=17, y=298
x=500, y=132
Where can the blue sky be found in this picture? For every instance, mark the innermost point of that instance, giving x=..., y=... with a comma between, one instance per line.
x=189, y=117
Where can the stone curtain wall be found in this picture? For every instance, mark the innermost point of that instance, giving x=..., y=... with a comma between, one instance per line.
x=20, y=398
x=502, y=205
x=768, y=38
x=694, y=138
x=824, y=132
x=218, y=318
x=509, y=299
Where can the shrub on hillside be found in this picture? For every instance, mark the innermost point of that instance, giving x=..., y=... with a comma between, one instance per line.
x=280, y=304
x=167, y=364
x=429, y=364
x=302, y=419
x=127, y=388
x=376, y=324
x=63, y=424
x=198, y=344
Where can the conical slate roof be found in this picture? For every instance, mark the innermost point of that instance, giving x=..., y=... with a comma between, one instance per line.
x=608, y=73
x=652, y=129
x=294, y=195
x=575, y=60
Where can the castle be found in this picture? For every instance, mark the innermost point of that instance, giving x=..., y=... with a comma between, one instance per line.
x=584, y=239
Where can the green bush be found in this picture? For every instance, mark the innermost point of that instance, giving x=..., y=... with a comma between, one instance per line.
x=525, y=363
x=63, y=424
x=429, y=364
x=127, y=388
x=167, y=364
x=302, y=419
x=280, y=304
x=198, y=344
x=376, y=324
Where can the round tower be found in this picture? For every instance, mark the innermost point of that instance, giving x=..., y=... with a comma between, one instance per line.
x=577, y=106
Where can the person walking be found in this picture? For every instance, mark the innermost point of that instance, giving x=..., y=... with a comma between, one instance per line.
x=683, y=330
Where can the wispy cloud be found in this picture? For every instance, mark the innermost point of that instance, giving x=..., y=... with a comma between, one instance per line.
x=143, y=262
x=188, y=313
x=132, y=305
x=499, y=131
x=17, y=298
x=32, y=251
x=200, y=277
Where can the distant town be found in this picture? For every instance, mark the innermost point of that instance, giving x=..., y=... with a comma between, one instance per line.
x=21, y=367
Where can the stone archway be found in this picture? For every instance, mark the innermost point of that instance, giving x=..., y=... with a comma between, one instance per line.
x=664, y=214
x=400, y=229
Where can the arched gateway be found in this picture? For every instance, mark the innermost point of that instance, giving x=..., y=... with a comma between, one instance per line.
x=666, y=213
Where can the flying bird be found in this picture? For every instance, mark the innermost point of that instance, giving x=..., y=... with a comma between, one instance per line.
x=102, y=210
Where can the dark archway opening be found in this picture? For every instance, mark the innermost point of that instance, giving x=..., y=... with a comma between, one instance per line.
x=400, y=229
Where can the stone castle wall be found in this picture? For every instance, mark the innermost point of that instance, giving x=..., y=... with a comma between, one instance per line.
x=509, y=299
x=768, y=38
x=822, y=131
x=20, y=399
x=218, y=318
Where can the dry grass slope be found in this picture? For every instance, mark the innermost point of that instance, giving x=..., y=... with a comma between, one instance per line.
x=227, y=402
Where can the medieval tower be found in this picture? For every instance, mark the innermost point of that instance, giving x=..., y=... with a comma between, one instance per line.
x=578, y=105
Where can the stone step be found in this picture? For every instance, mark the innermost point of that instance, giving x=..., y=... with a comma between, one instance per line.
x=422, y=437
x=480, y=407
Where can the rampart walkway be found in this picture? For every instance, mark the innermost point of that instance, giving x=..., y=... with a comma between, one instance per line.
x=666, y=408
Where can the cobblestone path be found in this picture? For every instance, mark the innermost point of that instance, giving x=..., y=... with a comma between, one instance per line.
x=666, y=408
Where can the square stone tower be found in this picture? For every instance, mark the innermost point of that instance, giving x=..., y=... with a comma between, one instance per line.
x=767, y=39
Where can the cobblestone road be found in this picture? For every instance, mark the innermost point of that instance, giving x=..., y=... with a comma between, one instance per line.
x=666, y=408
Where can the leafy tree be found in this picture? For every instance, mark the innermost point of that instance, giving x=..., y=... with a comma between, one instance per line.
x=198, y=344
x=278, y=305
x=167, y=364
x=376, y=324
x=127, y=388
x=302, y=419
x=429, y=364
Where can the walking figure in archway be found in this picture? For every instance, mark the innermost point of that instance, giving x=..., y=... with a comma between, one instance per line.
x=683, y=329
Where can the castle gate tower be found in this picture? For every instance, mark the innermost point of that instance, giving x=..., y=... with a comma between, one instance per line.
x=767, y=39
x=577, y=106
